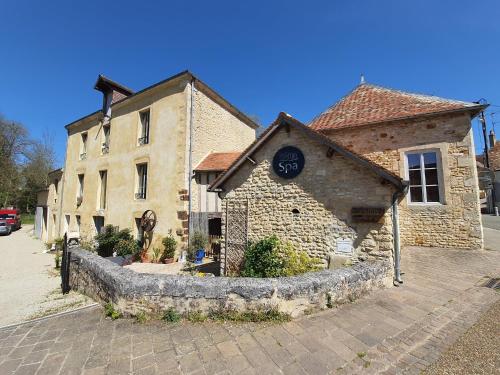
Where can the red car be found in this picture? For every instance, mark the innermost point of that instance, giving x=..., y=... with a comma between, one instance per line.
x=12, y=216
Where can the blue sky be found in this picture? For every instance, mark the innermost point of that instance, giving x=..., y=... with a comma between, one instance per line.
x=263, y=56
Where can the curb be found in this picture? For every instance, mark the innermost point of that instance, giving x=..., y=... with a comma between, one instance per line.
x=49, y=316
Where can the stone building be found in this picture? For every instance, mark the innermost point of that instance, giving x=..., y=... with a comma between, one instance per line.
x=48, y=206
x=426, y=140
x=301, y=186
x=494, y=160
x=138, y=153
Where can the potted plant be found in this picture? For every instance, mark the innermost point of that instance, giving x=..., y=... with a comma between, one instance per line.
x=170, y=245
x=199, y=242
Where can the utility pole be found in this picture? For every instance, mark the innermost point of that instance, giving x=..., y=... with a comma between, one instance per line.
x=485, y=138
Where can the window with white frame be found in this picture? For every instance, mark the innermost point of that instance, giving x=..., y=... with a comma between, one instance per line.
x=142, y=181
x=144, y=117
x=79, y=193
x=106, y=130
x=423, y=174
x=83, y=146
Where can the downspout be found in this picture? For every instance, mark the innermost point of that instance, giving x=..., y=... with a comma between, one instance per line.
x=395, y=232
x=190, y=158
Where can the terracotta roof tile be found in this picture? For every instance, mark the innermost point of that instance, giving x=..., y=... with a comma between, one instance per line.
x=368, y=104
x=217, y=161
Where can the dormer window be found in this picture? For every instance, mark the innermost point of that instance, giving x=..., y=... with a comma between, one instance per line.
x=144, y=118
x=83, y=146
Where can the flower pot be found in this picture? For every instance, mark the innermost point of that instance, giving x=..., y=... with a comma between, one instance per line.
x=168, y=260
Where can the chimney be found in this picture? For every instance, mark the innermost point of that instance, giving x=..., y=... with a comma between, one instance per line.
x=493, y=139
x=112, y=92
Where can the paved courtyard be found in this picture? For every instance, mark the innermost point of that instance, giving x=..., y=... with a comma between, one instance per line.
x=396, y=330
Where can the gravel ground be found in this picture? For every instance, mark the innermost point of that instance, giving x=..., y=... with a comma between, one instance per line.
x=29, y=284
x=476, y=352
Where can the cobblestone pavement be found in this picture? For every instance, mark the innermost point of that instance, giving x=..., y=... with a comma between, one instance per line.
x=391, y=331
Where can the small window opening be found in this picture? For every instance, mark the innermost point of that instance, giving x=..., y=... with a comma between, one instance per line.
x=295, y=212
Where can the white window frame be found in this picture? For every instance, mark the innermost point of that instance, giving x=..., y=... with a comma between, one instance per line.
x=439, y=169
x=144, y=137
x=141, y=192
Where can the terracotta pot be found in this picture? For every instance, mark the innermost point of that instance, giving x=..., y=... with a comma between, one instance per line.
x=168, y=260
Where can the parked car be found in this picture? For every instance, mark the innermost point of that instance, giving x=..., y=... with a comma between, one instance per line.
x=5, y=228
x=12, y=216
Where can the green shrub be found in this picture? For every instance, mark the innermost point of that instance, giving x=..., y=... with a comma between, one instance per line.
x=109, y=310
x=198, y=241
x=170, y=245
x=126, y=247
x=156, y=255
x=109, y=238
x=171, y=316
x=270, y=257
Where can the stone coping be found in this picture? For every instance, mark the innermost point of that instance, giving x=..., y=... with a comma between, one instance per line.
x=105, y=281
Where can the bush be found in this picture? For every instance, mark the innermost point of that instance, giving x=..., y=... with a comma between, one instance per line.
x=109, y=310
x=108, y=239
x=170, y=245
x=171, y=316
x=59, y=243
x=126, y=247
x=270, y=257
x=198, y=241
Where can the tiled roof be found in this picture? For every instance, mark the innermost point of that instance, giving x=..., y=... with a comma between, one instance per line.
x=368, y=104
x=285, y=119
x=217, y=161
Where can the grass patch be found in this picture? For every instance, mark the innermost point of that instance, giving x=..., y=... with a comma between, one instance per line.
x=361, y=355
x=28, y=218
x=271, y=315
x=171, y=316
x=195, y=316
x=109, y=310
x=141, y=317
x=367, y=364
x=56, y=309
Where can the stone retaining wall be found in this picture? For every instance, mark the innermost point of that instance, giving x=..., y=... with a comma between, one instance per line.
x=132, y=292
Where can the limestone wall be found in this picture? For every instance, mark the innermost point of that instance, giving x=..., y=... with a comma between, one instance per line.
x=456, y=221
x=323, y=194
x=215, y=129
x=133, y=292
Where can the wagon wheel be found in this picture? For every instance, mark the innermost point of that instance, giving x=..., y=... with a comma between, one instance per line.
x=148, y=220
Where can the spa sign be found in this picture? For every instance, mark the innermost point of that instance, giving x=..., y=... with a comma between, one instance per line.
x=288, y=162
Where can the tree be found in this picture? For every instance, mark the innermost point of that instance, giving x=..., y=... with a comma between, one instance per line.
x=25, y=163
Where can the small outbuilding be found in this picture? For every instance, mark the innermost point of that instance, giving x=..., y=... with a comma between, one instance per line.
x=295, y=183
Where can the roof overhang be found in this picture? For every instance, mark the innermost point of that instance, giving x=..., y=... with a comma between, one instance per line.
x=285, y=120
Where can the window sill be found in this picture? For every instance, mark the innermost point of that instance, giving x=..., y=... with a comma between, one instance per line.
x=423, y=205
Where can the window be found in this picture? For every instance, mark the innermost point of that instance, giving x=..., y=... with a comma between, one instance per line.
x=98, y=224
x=79, y=194
x=56, y=183
x=103, y=175
x=83, y=149
x=78, y=223
x=142, y=179
x=423, y=176
x=106, y=129
x=144, y=130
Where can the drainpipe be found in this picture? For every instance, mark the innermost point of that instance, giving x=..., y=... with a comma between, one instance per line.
x=190, y=177
x=395, y=230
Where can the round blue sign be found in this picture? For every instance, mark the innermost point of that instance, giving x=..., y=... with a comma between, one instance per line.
x=288, y=162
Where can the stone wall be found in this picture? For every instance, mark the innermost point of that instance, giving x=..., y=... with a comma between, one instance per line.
x=456, y=222
x=133, y=292
x=322, y=195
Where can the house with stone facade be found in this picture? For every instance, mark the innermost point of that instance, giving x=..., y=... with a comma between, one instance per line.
x=138, y=153
x=333, y=207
